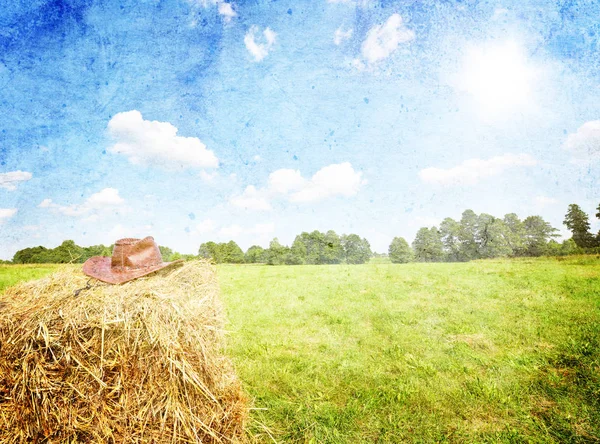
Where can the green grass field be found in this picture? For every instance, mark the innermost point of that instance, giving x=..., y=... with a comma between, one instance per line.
x=487, y=351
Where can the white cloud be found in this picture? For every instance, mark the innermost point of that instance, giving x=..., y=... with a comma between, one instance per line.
x=382, y=40
x=262, y=229
x=499, y=12
x=226, y=11
x=585, y=142
x=333, y=180
x=146, y=142
x=341, y=35
x=7, y=213
x=206, y=226
x=473, y=170
x=259, y=50
x=285, y=180
x=208, y=177
x=251, y=199
x=542, y=201
x=498, y=76
x=10, y=180
x=257, y=158
x=105, y=200
x=231, y=231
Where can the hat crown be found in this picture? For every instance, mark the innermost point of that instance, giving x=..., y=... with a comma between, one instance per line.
x=133, y=254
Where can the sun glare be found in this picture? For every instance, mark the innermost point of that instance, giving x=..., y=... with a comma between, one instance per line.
x=498, y=76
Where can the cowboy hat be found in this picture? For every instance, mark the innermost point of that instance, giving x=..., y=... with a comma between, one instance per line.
x=131, y=259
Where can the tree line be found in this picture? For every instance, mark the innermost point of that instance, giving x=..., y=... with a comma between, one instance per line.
x=472, y=237
x=485, y=236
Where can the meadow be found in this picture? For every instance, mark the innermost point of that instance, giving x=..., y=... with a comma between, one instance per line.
x=486, y=351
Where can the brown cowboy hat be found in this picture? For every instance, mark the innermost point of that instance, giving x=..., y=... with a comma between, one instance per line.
x=131, y=259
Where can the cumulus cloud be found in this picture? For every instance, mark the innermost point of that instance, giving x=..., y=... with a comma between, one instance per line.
x=330, y=181
x=105, y=200
x=341, y=35
x=473, y=170
x=585, y=142
x=383, y=40
x=206, y=226
x=7, y=213
x=146, y=142
x=10, y=180
x=226, y=11
x=259, y=49
x=251, y=199
x=333, y=180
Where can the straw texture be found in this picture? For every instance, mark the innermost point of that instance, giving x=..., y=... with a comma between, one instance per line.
x=138, y=362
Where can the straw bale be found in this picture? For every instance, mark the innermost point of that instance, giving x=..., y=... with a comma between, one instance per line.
x=132, y=363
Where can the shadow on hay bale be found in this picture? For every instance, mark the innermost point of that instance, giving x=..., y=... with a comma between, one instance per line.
x=138, y=362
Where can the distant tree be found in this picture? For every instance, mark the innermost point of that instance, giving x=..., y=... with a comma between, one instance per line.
x=26, y=255
x=468, y=236
x=492, y=237
x=577, y=222
x=450, y=232
x=537, y=234
x=333, y=252
x=357, y=250
x=255, y=255
x=166, y=253
x=231, y=253
x=277, y=253
x=400, y=252
x=428, y=245
x=515, y=236
x=209, y=250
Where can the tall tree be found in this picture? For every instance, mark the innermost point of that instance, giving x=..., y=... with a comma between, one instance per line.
x=577, y=221
x=515, y=236
x=356, y=250
x=428, y=245
x=450, y=232
x=537, y=234
x=492, y=237
x=276, y=254
x=400, y=252
x=255, y=255
x=469, y=248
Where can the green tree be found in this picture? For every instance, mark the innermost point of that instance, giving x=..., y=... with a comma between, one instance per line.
x=469, y=248
x=537, y=234
x=333, y=252
x=255, y=255
x=231, y=253
x=26, y=255
x=277, y=253
x=428, y=245
x=400, y=252
x=209, y=250
x=357, y=250
x=492, y=237
x=515, y=236
x=450, y=232
x=577, y=222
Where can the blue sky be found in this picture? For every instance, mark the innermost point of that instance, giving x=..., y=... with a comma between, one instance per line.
x=196, y=120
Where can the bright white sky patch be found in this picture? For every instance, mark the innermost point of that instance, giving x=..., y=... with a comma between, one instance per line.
x=333, y=180
x=542, y=201
x=259, y=50
x=251, y=199
x=146, y=142
x=226, y=11
x=231, y=231
x=473, y=170
x=107, y=199
x=498, y=76
x=341, y=35
x=585, y=142
x=7, y=213
x=330, y=181
x=382, y=40
x=10, y=180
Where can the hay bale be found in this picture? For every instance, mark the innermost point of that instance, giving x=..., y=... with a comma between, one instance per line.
x=138, y=362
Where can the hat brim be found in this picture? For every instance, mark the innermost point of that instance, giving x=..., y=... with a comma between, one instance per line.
x=99, y=267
